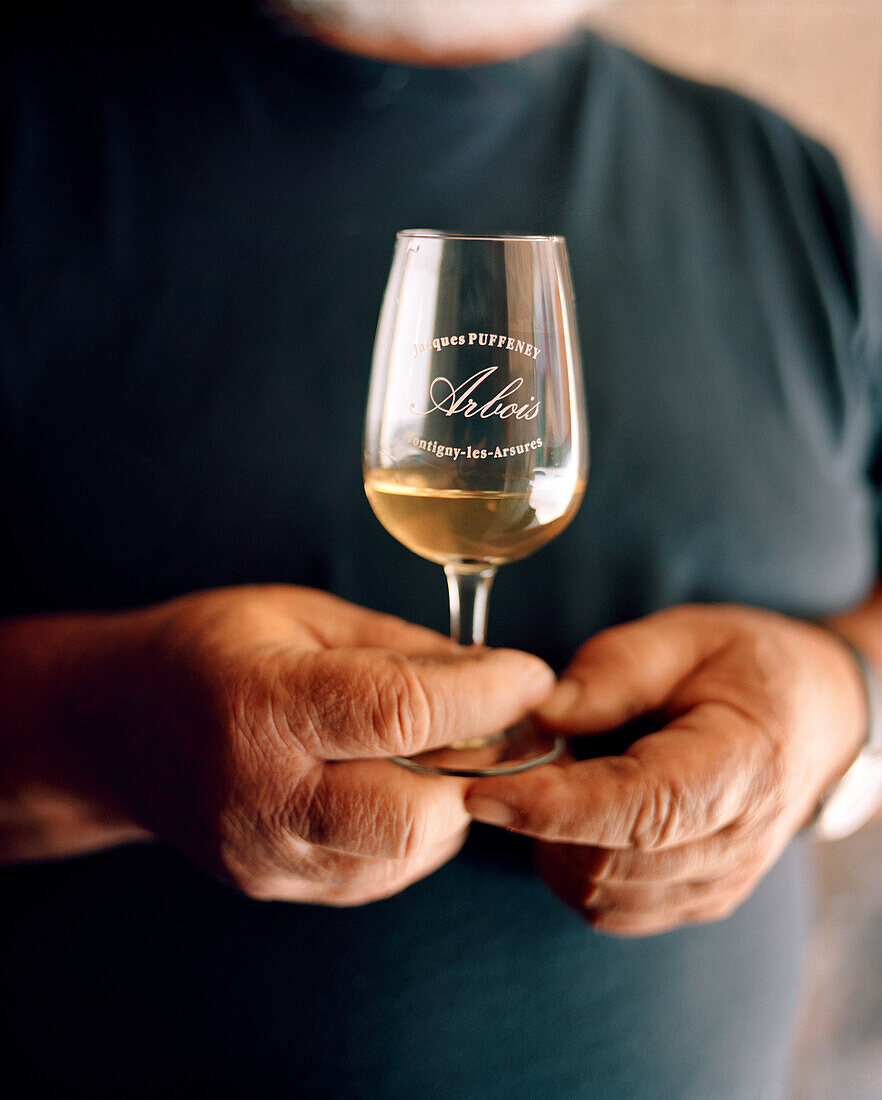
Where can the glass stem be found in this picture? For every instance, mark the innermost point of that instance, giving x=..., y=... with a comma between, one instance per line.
x=469, y=590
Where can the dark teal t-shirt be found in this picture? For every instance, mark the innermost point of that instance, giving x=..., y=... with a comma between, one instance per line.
x=198, y=211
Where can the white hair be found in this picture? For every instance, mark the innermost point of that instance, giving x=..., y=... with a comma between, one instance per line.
x=444, y=24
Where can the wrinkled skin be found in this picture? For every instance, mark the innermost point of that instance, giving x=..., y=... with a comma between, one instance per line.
x=757, y=715
x=247, y=727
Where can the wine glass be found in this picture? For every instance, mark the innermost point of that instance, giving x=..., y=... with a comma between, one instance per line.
x=476, y=439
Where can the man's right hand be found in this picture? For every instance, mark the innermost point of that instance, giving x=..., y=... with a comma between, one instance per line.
x=247, y=727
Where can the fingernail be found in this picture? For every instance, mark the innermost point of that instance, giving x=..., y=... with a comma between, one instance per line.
x=561, y=701
x=491, y=812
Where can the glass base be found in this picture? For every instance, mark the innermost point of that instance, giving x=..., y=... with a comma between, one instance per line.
x=516, y=750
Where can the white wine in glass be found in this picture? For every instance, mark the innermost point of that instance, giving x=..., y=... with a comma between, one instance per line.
x=450, y=526
x=476, y=440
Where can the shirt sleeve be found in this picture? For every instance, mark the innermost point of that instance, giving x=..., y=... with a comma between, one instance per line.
x=856, y=248
x=859, y=249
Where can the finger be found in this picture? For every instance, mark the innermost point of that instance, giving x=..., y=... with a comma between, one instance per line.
x=649, y=898
x=332, y=878
x=629, y=670
x=697, y=776
x=370, y=629
x=334, y=622
x=398, y=876
x=349, y=703
x=714, y=856
x=643, y=908
x=630, y=925
x=372, y=808
x=676, y=907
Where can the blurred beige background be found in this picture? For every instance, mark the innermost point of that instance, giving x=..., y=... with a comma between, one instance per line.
x=820, y=63
x=817, y=61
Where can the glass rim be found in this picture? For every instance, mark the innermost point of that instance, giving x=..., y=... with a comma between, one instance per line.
x=446, y=235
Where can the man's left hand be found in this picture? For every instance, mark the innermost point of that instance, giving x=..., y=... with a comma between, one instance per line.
x=758, y=715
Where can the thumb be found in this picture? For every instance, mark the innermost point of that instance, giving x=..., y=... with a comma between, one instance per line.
x=367, y=703
x=627, y=671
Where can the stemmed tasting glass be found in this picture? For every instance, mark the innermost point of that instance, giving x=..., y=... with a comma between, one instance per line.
x=476, y=439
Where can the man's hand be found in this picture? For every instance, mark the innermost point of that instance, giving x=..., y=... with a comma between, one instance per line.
x=247, y=727
x=757, y=715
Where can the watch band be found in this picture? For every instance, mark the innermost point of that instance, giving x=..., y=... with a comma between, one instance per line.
x=872, y=695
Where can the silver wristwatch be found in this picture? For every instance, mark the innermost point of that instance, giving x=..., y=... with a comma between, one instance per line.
x=851, y=802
